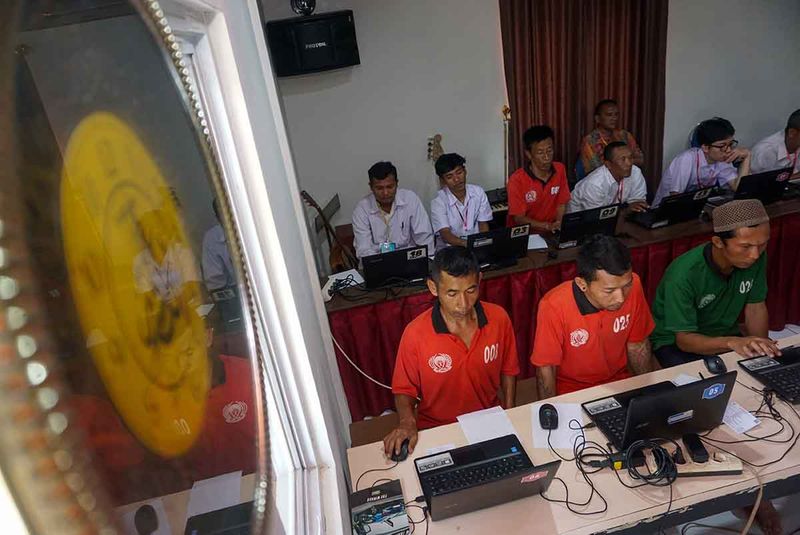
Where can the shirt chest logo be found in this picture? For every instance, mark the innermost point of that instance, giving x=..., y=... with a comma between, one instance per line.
x=745, y=286
x=530, y=196
x=234, y=412
x=578, y=337
x=706, y=300
x=441, y=363
x=554, y=190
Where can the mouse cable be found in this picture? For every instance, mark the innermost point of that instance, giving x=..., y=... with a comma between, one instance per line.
x=374, y=470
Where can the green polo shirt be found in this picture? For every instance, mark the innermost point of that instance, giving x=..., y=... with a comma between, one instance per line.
x=694, y=296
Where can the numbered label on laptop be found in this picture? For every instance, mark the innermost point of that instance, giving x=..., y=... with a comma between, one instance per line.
x=701, y=194
x=609, y=212
x=521, y=230
x=416, y=253
x=602, y=405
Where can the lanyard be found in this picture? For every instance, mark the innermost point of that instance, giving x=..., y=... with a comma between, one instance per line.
x=701, y=185
x=619, y=191
x=464, y=217
x=387, y=220
x=794, y=159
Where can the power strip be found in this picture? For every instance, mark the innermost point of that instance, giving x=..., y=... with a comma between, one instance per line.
x=719, y=464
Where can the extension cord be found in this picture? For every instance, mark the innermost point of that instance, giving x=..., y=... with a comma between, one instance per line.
x=718, y=465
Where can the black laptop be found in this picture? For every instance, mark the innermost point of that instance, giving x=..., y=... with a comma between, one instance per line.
x=768, y=187
x=234, y=520
x=662, y=410
x=395, y=267
x=781, y=374
x=576, y=226
x=480, y=475
x=673, y=209
x=500, y=247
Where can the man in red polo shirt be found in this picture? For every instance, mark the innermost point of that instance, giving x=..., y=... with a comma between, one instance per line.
x=455, y=357
x=538, y=194
x=593, y=329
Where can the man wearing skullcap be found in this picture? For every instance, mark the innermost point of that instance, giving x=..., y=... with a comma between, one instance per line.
x=703, y=292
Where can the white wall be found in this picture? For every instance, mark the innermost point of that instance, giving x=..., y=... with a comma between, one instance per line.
x=737, y=59
x=426, y=67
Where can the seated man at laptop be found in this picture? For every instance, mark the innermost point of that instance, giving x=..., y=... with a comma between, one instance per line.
x=389, y=218
x=459, y=209
x=780, y=150
x=455, y=357
x=538, y=194
x=708, y=164
x=606, y=119
x=616, y=181
x=703, y=292
x=593, y=329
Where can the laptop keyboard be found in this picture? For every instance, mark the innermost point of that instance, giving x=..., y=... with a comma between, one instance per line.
x=612, y=424
x=473, y=475
x=785, y=381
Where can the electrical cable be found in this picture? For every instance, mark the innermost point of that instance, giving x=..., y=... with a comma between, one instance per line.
x=362, y=372
x=375, y=470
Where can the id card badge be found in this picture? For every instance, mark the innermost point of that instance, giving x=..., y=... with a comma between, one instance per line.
x=388, y=246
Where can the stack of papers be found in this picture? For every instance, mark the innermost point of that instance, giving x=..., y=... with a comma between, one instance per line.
x=487, y=424
x=536, y=242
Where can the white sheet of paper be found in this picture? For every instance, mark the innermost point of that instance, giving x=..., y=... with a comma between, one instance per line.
x=215, y=493
x=486, y=424
x=536, y=242
x=684, y=379
x=739, y=419
x=439, y=449
x=128, y=519
x=561, y=438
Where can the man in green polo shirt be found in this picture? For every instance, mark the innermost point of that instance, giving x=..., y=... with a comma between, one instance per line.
x=703, y=292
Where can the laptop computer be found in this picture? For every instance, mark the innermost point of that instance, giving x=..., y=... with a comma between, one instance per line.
x=480, y=475
x=768, y=187
x=234, y=520
x=576, y=226
x=662, y=410
x=781, y=374
x=404, y=265
x=673, y=209
x=500, y=247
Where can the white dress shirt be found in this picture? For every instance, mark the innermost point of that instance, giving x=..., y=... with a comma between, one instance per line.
x=770, y=153
x=690, y=170
x=461, y=219
x=217, y=265
x=600, y=188
x=408, y=226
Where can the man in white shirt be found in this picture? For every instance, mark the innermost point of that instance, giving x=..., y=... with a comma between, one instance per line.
x=389, y=218
x=459, y=209
x=779, y=150
x=709, y=164
x=616, y=181
x=217, y=265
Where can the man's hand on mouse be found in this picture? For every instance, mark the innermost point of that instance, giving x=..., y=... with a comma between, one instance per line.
x=394, y=440
x=753, y=346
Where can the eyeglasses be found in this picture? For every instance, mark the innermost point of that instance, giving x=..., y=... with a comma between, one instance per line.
x=730, y=145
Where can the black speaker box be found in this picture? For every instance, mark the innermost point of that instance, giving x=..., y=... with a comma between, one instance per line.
x=301, y=45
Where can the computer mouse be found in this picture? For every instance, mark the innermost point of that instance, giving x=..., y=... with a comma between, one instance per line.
x=714, y=364
x=548, y=416
x=400, y=457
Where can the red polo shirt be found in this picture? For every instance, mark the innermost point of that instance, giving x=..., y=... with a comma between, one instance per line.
x=588, y=345
x=533, y=198
x=450, y=378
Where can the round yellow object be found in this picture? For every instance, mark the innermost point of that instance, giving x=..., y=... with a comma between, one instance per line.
x=131, y=273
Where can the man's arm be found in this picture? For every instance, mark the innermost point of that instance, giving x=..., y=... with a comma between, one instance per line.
x=362, y=234
x=534, y=223
x=546, y=381
x=421, y=227
x=508, y=388
x=747, y=346
x=483, y=226
x=451, y=239
x=559, y=215
x=756, y=319
x=406, y=427
x=640, y=357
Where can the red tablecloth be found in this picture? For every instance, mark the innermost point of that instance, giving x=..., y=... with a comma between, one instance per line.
x=370, y=334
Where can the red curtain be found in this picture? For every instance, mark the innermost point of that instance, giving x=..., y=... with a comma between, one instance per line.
x=562, y=56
